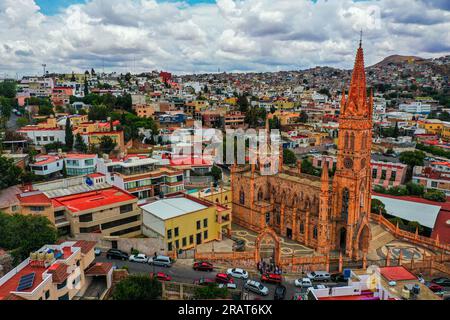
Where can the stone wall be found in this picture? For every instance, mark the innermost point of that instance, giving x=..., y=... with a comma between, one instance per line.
x=144, y=245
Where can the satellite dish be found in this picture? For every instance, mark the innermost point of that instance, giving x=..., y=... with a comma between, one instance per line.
x=89, y=182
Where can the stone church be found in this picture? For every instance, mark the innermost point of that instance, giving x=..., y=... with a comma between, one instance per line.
x=325, y=213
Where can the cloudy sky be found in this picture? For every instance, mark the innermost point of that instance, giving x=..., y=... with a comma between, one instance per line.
x=206, y=35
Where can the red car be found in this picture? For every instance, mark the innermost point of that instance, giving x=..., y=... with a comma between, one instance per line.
x=161, y=276
x=204, y=281
x=203, y=266
x=224, y=278
x=435, y=287
x=271, y=278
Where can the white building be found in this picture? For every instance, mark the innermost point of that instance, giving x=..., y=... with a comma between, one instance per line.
x=415, y=107
x=43, y=136
x=80, y=164
x=47, y=165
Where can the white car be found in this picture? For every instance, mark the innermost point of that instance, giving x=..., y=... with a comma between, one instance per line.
x=228, y=285
x=256, y=287
x=303, y=283
x=237, y=273
x=142, y=258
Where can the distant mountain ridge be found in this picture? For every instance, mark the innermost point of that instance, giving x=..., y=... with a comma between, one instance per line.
x=398, y=59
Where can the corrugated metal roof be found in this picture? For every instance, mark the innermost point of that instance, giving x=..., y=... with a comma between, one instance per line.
x=171, y=208
x=423, y=213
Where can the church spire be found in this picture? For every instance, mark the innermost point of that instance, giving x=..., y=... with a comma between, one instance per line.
x=357, y=97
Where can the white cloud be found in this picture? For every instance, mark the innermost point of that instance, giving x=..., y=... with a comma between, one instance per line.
x=233, y=35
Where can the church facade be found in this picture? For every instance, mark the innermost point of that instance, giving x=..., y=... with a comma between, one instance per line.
x=324, y=213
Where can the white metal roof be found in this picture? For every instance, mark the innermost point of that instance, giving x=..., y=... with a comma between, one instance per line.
x=423, y=213
x=173, y=207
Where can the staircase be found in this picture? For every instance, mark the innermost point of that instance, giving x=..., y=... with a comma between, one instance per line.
x=380, y=238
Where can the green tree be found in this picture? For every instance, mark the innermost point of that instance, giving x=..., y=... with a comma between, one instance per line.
x=8, y=89
x=243, y=103
x=10, y=173
x=22, y=122
x=415, y=189
x=414, y=225
x=45, y=110
x=98, y=113
x=289, y=157
x=80, y=145
x=86, y=86
x=107, y=144
x=435, y=195
x=412, y=158
x=303, y=118
x=216, y=172
x=25, y=233
x=210, y=292
x=377, y=206
x=69, y=134
x=396, y=131
x=137, y=287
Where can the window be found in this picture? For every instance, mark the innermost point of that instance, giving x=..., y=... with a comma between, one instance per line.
x=205, y=234
x=374, y=173
x=198, y=225
x=315, y=232
x=199, y=238
x=302, y=228
x=176, y=232
x=383, y=174
x=86, y=217
x=90, y=229
x=169, y=234
x=242, y=197
x=169, y=246
x=434, y=184
x=184, y=242
x=61, y=285
x=52, y=138
x=120, y=222
x=191, y=239
x=205, y=223
x=393, y=175
x=64, y=297
x=177, y=244
x=47, y=294
x=126, y=208
x=37, y=208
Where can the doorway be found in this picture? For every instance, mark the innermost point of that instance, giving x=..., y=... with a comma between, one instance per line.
x=289, y=233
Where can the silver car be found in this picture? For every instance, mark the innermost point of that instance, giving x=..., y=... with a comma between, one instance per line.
x=256, y=287
x=162, y=261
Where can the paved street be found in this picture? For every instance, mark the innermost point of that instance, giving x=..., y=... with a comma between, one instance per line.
x=183, y=272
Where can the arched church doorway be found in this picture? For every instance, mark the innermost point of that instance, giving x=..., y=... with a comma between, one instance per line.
x=267, y=247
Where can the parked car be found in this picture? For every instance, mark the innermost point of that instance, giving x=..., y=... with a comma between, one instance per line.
x=141, y=258
x=435, y=287
x=303, y=283
x=116, y=254
x=280, y=293
x=97, y=252
x=162, y=261
x=161, y=276
x=443, y=281
x=338, y=277
x=271, y=278
x=256, y=287
x=224, y=278
x=318, y=276
x=320, y=286
x=228, y=285
x=205, y=281
x=238, y=273
x=203, y=266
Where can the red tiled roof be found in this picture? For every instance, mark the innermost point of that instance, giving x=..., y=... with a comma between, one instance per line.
x=441, y=227
x=99, y=268
x=94, y=199
x=41, y=160
x=397, y=274
x=11, y=285
x=40, y=198
x=80, y=156
x=85, y=246
x=59, y=272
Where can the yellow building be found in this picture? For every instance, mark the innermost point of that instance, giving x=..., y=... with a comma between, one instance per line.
x=231, y=101
x=446, y=131
x=222, y=196
x=184, y=222
x=284, y=104
x=432, y=126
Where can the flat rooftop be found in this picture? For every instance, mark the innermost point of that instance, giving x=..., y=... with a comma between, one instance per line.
x=93, y=199
x=171, y=208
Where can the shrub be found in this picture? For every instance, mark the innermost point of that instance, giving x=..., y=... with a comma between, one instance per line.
x=435, y=195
